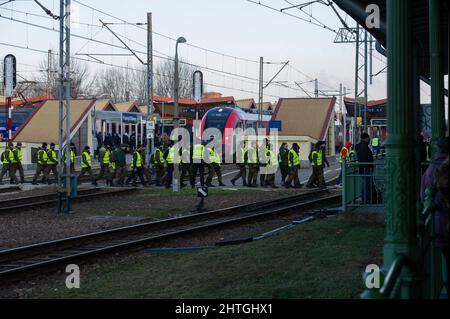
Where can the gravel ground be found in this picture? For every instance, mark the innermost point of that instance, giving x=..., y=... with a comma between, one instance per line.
x=24, y=228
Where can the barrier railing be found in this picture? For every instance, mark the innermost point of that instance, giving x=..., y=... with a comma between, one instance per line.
x=364, y=184
x=433, y=262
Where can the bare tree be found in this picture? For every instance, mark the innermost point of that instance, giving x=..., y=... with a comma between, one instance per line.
x=116, y=83
x=164, y=79
x=82, y=83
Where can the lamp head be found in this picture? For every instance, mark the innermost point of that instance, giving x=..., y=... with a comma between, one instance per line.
x=181, y=40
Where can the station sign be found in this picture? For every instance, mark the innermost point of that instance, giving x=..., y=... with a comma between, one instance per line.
x=9, y=74
x=198, y=86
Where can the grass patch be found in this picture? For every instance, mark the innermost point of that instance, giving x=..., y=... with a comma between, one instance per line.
x=322, y=259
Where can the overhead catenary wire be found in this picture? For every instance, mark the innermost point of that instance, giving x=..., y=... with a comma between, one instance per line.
x=160, y=55
x=166, y=57
x=130, y=68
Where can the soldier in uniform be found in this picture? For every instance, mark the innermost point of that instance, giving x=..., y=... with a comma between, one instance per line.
x=272, y=166
x=120, y=162
x=52, y=163
x=186, y=168
x=13, y=160
x=240, y=161
x=294, y=167
x=42, y=159
x=5, y=163
x=137, y=167
x=214, y=167
x=251, y=159
x=158, y=163
x=104, y=158
x=17, y=152
x=86, y=165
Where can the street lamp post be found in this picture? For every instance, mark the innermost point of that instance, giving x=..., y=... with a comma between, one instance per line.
x=176, y=173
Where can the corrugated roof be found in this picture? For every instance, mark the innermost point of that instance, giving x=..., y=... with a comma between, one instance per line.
x=131, y=106
x=42, y=126
x=305, y=116
x=246, y=103
x=266, y=106
x=105, y=105
x=17, y=101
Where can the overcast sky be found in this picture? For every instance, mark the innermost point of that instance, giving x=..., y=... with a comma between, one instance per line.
x=234, y=27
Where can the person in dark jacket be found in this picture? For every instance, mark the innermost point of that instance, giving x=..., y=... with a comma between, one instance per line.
x=434, y=179
x=365, y=155
x=283, y=162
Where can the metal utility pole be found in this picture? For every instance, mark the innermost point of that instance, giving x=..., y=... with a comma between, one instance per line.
x=316, y=88
x=365, y=80
x=176, y=173
x=356, y=110
x=357, y=35
x=344, y=115
x=50, y=73
x=260, y=92
x=64, y=93
x=151, y=138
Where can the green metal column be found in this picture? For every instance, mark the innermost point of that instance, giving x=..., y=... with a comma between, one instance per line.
x=437, y=74
x=401, y=167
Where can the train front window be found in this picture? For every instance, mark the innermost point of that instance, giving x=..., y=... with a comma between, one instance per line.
x=217, y=119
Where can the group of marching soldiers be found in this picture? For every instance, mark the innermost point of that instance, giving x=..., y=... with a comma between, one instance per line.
x=252, y=160
x=11, y=160
x=264, y=162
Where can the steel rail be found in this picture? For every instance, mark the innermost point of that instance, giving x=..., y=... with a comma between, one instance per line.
x=38, y=256
x=23, y=203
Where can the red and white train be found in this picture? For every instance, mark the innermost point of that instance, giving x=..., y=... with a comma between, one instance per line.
x=228, y=119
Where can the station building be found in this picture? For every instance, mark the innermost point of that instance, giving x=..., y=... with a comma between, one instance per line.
x=306, y=121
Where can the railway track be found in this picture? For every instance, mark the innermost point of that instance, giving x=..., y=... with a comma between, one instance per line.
x=21, y=204
x=10, y=189
x=45, y=256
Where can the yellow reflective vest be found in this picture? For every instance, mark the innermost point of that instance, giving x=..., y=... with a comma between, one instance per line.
x=86, y=161
x=319, y=160
x=42, y=157
x=52, y=160
x=170, y=155
x=158, y=157
x=294, y=159
x=199, y=150
x=137, y=160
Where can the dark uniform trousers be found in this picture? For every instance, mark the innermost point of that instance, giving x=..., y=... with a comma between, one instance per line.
x=211, y=169
x=169, y=175
x=317, y=178
x=121, y=174
x=138, y=171
x=12, y=173
x=252, y=174
x=40, y=169
x=19, y=167
x=84, y=171
x=293, y=176
x=269, y=180
x=5, y=168
x=159, y=173
x=145, y=172
x=104, y=173
x=186, y=171
x=242, y=174
x=198, y=168
x=51, y=168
